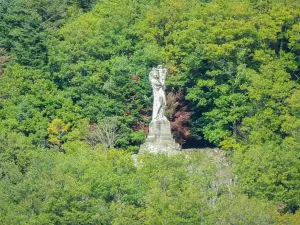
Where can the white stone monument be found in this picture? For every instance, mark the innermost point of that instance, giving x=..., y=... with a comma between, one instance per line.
x=160, y=138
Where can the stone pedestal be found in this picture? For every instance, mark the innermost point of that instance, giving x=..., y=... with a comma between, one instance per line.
x=160, y=139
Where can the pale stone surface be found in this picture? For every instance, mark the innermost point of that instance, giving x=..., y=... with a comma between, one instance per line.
x=160, y=138
x=157, y=78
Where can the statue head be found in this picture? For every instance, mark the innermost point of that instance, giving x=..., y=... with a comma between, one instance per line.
x=154, y=73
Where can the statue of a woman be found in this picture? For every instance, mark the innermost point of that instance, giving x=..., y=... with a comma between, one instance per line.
x=157, y=78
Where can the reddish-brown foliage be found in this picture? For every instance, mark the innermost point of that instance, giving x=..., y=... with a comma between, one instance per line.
x=136, y=78
x=141, y=126
x=177, y=113
x=3, y=59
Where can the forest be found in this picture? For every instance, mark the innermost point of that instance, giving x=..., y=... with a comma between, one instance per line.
x=71, y=70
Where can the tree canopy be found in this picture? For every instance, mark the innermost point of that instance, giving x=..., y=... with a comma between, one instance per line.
x=67, y=67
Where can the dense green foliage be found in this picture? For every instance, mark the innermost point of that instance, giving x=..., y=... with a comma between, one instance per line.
x=92, y=187
x=66, y=66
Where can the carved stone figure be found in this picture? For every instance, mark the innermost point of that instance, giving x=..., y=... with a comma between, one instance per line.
x=160, y=138
x=157, y=78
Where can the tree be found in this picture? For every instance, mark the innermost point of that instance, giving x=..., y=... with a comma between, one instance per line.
x=105, y=133
x=56, y=131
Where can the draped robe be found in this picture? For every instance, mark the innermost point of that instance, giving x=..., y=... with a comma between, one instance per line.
x=157, y=80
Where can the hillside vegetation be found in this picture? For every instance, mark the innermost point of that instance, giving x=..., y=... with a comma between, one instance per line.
x=73, y=70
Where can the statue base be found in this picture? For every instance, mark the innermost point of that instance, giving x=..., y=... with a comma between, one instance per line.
x=160, y=139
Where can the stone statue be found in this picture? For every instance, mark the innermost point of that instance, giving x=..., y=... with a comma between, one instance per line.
x=160, y=138
x=157, y=78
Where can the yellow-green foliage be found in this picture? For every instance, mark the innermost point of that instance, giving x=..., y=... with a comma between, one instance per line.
x=56, y=130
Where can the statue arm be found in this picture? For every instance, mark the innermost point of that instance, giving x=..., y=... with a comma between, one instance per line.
x=155, y=81
x=156, y=84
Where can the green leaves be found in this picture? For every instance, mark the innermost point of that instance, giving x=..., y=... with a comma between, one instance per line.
x=270, y=172
x=91, y=186
x=236, y=63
